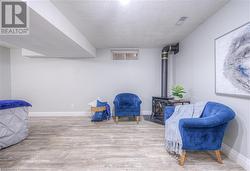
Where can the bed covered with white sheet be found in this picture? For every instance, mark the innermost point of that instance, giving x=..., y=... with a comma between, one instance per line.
x=13, y=122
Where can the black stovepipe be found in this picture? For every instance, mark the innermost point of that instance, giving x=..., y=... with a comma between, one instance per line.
x=164, y=67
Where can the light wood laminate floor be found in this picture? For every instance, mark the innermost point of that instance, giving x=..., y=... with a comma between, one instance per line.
x=74, y=143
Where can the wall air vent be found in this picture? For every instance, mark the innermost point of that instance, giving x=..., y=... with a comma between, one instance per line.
x=125, y=54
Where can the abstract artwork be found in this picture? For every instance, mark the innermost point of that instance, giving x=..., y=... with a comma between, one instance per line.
x=232, y=62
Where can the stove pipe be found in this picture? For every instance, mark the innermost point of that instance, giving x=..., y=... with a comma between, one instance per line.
x=164, y=67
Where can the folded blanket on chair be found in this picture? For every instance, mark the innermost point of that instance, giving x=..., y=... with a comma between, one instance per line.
x=173, y=139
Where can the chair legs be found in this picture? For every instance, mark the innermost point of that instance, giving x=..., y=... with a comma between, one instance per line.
x=137, y=119
x=182, y=158
x=218, y=156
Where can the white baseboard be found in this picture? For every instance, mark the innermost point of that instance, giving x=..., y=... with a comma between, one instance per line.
x=83, y=113
x=236, y=156
x=53, y=114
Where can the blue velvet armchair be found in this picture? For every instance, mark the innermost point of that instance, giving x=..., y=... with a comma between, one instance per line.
x=127, y=104
x=206, y=132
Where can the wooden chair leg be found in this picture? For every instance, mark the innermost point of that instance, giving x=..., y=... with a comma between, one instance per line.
x=218, y=156
x=137, y=119
x=116, y=119
x=182, y=158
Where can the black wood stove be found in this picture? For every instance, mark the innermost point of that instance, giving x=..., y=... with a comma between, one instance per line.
x=158, y=106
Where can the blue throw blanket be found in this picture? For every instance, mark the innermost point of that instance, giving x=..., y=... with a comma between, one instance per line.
x=172, y=133
x=7, y=104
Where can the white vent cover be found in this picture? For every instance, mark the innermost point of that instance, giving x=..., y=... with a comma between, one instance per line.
x=125, y=54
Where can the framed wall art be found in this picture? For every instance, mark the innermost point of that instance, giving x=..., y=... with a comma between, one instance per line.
x=232, y=62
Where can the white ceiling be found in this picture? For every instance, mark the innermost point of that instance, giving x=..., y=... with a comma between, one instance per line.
x=44, y=38
x=91, y=24
x=140, y=23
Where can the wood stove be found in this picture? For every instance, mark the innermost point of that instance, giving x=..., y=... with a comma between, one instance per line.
x=158, y=106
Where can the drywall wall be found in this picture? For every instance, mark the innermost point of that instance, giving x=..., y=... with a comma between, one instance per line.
x=5, y=88
x=67, y=85
x=195, y=69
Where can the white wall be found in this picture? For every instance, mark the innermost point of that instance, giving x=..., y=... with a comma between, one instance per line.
x=195, y=69
x=66, y=85
x=5, y=88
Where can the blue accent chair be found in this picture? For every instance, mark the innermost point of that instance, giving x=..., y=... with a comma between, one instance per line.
x=204, y=133
x=127, y=104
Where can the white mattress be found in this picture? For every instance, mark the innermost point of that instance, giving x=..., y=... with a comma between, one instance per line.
x=13, y=126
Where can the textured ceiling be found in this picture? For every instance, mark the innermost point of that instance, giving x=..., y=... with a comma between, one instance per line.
x=148, y=23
